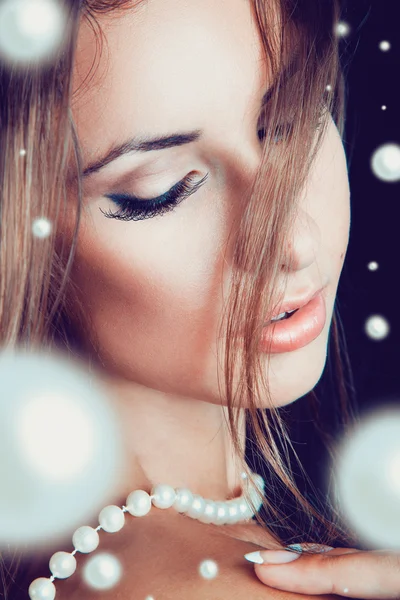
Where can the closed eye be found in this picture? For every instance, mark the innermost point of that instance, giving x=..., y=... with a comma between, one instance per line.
x=133, y=208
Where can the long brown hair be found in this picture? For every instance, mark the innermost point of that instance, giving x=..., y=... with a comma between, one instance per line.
x=37, y=295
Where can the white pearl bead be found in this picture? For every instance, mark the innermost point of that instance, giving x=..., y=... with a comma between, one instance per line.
x=244, y=509
x=259, y=482
x=258, y=503
x=184, y=499
x=85, y=539
x=209, y=512
x=112, y=518
x=138, y=503
x=254, y=495
x=164, y=495
x=102, y=571
x=257, y=497
x=208, y=569
x=197, y=507
x=222, y=513
x=233, y=512
x=42, y=589
x=62, y=564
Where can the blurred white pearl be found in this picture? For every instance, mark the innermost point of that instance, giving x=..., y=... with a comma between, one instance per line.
x=112, y=518
x=208, y=569
x=184, y=499
x=256, y=497
x=138, y=503
x=49, y=417
x=52, y=403
x=62, y=565
x=222, y=513
x=260, y=483
x=30, y=30
x=377, y=327
x=342, y=29
x=102, y=571
x=197, y=507
x=42, y=589
x=384, y=46
x=385, y=162
x=259, y=504
x=368, y=477
x=244, y=509
x=233, y=512
x=209, y=512
x=163, y=495
x=85, y=539
x=41, y=228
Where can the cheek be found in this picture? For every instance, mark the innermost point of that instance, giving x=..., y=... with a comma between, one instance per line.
x=151, y=289
x=330, y=193
x=342, y=202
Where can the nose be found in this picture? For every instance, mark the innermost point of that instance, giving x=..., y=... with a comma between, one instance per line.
x=302, y=248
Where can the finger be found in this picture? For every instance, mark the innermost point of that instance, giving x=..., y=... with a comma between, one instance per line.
x=353, y=574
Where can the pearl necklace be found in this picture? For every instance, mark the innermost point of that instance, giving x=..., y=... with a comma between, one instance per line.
x=138, y=504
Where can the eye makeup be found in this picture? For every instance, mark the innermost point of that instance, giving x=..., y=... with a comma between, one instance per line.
x=133, y=208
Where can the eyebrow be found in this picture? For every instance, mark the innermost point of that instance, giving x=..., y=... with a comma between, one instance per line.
x=172, y=140
x=143, y=145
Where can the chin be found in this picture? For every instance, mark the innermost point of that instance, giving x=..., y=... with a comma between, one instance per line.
x=294, y=374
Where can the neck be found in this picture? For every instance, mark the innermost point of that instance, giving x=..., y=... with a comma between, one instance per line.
x=182, y=442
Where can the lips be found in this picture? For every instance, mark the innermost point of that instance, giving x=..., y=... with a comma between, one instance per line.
x=284, y=316
x=295, y=304
x=292, y=334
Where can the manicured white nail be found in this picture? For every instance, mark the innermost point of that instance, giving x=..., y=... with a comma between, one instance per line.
x=254, y=557
x=273, y=557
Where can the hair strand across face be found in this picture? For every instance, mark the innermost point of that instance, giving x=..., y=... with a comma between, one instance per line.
x=39, y=306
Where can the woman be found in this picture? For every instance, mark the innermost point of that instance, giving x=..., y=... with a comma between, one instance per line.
x=256, y=92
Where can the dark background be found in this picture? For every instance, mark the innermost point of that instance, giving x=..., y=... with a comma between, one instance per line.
x=372, y=79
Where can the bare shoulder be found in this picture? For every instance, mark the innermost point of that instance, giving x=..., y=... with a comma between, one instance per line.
x=161, y=558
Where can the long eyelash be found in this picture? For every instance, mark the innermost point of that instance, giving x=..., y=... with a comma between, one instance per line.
x=134, y=209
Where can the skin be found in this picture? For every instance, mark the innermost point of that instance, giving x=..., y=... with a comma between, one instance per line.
x=160, y=555
x=154, y=288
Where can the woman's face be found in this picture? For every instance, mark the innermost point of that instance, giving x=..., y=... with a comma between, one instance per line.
x=155, y=288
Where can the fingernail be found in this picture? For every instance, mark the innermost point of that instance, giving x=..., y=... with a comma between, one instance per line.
x=296, y=547
x=308, y=546
x=273, y=557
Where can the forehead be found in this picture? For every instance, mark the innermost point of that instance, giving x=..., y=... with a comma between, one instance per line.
x=166, y=66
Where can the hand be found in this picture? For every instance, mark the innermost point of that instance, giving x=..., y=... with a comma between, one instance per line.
x=347, y=572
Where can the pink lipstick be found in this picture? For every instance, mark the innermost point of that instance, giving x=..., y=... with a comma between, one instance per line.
x=296, y=330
